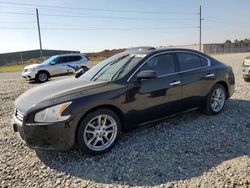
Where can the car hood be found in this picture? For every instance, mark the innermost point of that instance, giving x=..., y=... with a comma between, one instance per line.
x=46, y=93
x=31, y=66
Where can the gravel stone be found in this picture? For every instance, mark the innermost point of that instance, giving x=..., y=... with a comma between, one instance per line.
x=189, y=150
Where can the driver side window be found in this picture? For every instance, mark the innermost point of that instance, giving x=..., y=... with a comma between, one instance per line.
x=162, y=64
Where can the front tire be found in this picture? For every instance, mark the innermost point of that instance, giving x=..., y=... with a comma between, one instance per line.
x=98, y=132
x=216, y=100
x=42, y=76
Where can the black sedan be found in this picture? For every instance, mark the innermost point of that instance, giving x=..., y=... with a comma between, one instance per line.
x=125, y=91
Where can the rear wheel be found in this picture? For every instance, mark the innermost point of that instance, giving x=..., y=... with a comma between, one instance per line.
x=247, y=79
x=98, y=132
x=85, y=69
x=42, y=76
x=215, y=100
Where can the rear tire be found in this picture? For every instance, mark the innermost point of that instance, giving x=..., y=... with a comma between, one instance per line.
x=216, y=100
x=247, y=79
x=42, y=76
x=85, y=69
x=98, y=132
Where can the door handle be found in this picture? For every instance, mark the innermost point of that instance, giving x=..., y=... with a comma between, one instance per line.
x=175, y=83
x=209, y=75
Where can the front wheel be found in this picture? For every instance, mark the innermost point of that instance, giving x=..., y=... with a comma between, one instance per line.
x=42, y=76
x=98, y=132
x=215, y=100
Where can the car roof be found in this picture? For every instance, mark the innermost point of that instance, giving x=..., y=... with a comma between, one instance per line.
x=73, y=54
x=159, y=50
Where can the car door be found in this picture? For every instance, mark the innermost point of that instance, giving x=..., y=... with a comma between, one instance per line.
x=152, y=99
x=62, y=65
x=197, y=77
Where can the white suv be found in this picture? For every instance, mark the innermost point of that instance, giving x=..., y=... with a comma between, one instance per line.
x=57, y=65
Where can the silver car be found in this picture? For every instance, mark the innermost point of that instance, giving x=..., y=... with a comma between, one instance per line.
x=57, y=65
x=246, y=69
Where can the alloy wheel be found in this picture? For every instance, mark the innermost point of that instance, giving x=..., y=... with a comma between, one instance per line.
x=42, y=77
x=100, y=132
x=218, y=99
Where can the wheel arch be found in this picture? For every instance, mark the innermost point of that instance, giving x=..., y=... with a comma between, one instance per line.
x=115, y=109
x=43, y=70
x=224, y=84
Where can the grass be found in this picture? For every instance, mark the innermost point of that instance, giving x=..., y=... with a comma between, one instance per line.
x=12, y=68
x=19, y=68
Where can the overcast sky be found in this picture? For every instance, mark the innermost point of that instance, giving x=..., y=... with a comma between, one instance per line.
x=94, y=25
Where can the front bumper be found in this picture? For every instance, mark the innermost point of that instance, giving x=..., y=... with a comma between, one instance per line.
x=29, y=75
x=58, y=136
x=245, y=70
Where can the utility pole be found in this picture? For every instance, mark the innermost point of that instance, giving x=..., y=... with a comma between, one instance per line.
x=39, y=32
x=200, y=29
x=21, y=55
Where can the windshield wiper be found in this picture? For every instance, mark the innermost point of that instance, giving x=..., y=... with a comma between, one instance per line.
x=95, y=77
x=121, y=69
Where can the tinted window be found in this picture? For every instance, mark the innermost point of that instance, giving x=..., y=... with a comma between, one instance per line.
x=162, y=64
x=74, y=58
x=67, y=59
x=189, y=61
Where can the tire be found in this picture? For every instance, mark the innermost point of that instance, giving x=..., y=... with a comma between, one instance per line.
x=246, y=79
x=42, y=76
x=92, y=138
x=215, y=100
x=85, y=69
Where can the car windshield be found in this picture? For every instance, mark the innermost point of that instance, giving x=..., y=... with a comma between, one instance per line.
x=113, y=68
x=48, y=61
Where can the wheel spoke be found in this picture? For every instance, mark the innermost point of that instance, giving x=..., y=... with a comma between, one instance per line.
x=102, y=141
x=96, y=141
x=109, y=126
x=99, y=120
x=104, y=121
x=91, y=140
x=92, y=126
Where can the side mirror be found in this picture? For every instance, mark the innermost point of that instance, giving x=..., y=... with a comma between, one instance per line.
x=52, y=62
x=146, y=74
x=79, y=73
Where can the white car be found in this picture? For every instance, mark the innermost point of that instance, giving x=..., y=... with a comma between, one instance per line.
x=57, y=65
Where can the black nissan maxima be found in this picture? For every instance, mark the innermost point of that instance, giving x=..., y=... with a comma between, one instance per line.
x=125, y=91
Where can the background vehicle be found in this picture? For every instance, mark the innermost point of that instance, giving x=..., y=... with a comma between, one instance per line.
x=122, y=92
x=56, y=66
x=246, y=69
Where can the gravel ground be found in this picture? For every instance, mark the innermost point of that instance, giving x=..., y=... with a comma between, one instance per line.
x=191, y=150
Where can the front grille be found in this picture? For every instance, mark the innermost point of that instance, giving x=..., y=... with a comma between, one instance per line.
x=19, y=115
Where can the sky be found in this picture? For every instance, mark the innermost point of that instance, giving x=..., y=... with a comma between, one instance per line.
x=95, y=25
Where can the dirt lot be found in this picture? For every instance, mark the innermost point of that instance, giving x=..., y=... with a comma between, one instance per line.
x=191, y=150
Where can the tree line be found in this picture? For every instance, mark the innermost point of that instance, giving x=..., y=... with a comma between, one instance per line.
x=239, y=42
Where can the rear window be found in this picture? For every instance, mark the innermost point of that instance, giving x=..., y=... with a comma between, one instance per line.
x=189, y=61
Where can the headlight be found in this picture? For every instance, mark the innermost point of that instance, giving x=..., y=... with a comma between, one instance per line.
x=53, y=114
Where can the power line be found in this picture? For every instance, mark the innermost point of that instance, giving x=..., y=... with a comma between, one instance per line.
x=95, y=29
x=94, y=9
x=228, y=23
x=224, y=31
x=94, y=17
